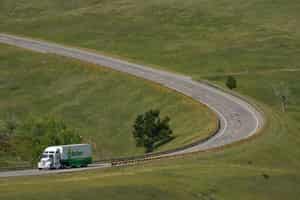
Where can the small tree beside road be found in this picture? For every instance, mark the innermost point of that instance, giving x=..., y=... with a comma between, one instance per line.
x=231, y=82
x=149, y=130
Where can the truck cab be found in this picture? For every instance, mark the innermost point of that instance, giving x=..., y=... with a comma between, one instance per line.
x=50, y=159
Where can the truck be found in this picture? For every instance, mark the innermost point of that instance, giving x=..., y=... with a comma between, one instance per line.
x=66, y=156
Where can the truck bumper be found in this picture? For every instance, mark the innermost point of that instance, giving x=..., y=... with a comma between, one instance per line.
x=43, y=166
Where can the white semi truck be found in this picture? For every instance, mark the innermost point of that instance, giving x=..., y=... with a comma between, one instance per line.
x=66, y=156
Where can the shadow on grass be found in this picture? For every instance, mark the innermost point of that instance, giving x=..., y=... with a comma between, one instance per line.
x=165, y=141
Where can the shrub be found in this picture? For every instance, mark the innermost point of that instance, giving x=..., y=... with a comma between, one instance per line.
x=150, y=131
x=231, y=82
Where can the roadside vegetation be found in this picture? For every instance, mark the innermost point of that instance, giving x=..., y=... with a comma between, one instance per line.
x=231, y=82
x=98, y=104
x=27, y=140
x=150, y=131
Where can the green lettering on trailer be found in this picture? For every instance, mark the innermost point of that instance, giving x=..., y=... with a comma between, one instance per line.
x=77, y=153
x=74, y=153
x=77, y=162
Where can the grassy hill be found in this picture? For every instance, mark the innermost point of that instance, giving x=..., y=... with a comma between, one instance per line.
x=263, y=168
x=192, y=36
x=257, y=40
x=100, y=104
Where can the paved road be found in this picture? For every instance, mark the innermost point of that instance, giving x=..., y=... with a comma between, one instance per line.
x=238, y=119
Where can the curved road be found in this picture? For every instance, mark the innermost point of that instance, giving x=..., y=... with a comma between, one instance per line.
x=238, y=119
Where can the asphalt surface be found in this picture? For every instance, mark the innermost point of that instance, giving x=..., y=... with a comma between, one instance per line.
x=238, y=119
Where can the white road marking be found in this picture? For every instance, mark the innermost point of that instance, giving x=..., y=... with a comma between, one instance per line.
x=220, y=102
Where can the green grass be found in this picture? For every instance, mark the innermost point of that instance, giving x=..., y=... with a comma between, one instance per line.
x=191, y=37
x=265, y=167
x=99, y=103
x=206, y=39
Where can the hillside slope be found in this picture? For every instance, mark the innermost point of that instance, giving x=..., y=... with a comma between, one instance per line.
x=207, y=39
x=101, y=104
x=192, y=36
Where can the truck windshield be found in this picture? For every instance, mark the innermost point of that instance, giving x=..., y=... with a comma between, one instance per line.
x=45, y=155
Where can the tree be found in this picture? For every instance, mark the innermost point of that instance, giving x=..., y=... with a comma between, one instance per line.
x=7, y=131
x=47, y=131
x=4, y=137
x=231, y=82
x=8, y=126
x=282, y=92
x=150, y=130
